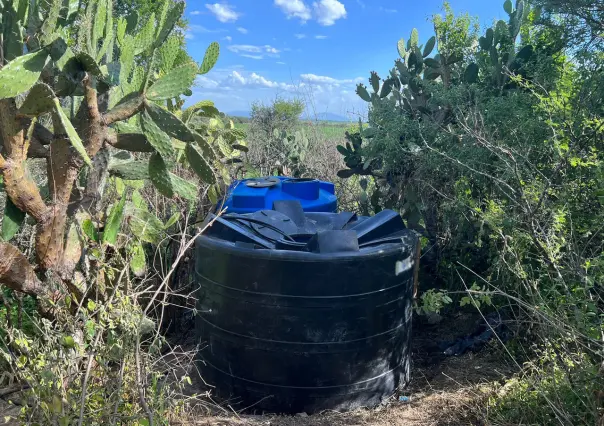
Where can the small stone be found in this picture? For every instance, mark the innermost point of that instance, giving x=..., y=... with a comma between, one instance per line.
x=302, y=415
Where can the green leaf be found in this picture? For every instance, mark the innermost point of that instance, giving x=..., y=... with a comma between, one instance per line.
x=75, y=140
x=429, y=46
x=172, y=221
x=174, y=83
x=199, y=165
x=12, y=220
x=156, y=137
x=20, y=74
x=90, y=230
x=68, y=342
x=114, y=222
x=169, y=123
x=210, y=58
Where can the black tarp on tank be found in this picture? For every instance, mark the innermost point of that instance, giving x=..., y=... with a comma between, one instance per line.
x=322, y=322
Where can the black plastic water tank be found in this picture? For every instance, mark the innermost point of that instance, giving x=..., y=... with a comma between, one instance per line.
x=301, y=312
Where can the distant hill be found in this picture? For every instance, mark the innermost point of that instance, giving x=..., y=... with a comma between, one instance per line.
x=329, y=116
x=245, y=114
x=325, y=116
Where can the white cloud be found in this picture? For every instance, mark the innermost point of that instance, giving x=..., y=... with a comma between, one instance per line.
x=229, y=38
x=300, y=36
x=327, y=12
x=199, y=29
x=360, y=3
x=280, y=63
x=196, y=12
x=247, y=55
x=203, y=30
x=320, y=37
x=235, y=89
x=253, y=80
x=321, y=79
x=385, y=10
x=294, y=9
x=242, y=30
x=254, y=52
x=223, y=12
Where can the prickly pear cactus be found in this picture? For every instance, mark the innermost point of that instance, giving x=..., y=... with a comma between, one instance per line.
x=408, y=86
x=108, y=87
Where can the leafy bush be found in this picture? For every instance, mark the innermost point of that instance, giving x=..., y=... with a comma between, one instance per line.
x=97, y=97
x=492, y=150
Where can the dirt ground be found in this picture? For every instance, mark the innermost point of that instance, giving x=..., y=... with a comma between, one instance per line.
x=444, y=390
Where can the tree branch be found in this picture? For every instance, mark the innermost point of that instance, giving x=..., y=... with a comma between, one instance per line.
x=123, y=111
x=23, y=192
x=17, y=273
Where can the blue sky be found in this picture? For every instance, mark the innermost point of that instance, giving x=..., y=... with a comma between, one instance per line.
x=314, y=49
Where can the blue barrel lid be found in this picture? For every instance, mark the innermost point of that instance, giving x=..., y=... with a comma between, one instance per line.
x=251, y=195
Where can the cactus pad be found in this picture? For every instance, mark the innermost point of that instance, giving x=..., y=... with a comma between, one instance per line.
x=429, y=46
x=89, y=64
x=402, y=51
x=169, y=123
x=171, y=19
x=75, y=140
x=156, y=137
x=144, y=39
x=363, y=93
x=174, y=83
x=20, y=74
x=12, y=221
x=210, y=58
x=160, y=176
x=132, y=170
x=39, y=100
x=168, y=52
x=199, y=164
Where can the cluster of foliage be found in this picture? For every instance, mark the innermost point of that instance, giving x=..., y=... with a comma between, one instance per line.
x=279, y=145
x=492, y=150
x=97, y=96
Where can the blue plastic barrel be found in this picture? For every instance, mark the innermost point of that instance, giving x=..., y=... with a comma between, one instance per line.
x=252, y=195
